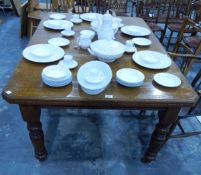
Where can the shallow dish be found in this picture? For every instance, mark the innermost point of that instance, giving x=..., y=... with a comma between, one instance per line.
x=107, y=50
x=59, y=41
x=89, y=16
x=102, y=76
x=76, y=20
x=57, y=16
x=135, y=31
x=68, y=33
x=152, y=59
x=167, y=80
x=56, y=76
x=56, y=53
x=142, y=41
x=129, y=77
x=57, y=24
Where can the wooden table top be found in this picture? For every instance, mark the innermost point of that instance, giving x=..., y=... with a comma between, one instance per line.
x=26, y=86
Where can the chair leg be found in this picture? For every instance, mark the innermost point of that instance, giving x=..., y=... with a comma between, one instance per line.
x=30, y=28
x=168, y=44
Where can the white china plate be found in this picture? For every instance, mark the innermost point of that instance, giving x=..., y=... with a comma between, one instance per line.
x=52, y=53
x=56, y=76
x=142, y=41
x=57, y=16
x=135, y=31
x=152, y=59
x=94, y=76
x=67, y=34
x=57, y=24
x=76, y=20
x=59, y=41
x=167, y=80
x=129, y=77
x=70, y=65
x=89, y=16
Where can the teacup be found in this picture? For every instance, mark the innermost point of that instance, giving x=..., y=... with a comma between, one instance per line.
x=76, y=16
x=88, y=33
x=68, y=29
x=68, y=59
x=84, y=41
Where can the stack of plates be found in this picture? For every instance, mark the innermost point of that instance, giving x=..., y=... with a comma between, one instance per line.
x=94, y=77
x=129, y=77
x=56, y=76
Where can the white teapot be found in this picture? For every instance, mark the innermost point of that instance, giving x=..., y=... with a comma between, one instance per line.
x=104, y=27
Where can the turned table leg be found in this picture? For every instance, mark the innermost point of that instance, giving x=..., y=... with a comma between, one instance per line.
x=31, y=115
x=160, y=135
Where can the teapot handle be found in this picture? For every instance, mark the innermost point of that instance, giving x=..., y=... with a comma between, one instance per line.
x=91, y=52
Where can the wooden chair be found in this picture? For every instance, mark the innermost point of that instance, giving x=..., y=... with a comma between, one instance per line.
x=189, y=56
x=116, y=7
x=179, y=10
x=35, y=14
x=155, y=12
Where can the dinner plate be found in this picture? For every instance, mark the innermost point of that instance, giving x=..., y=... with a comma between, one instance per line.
x=59, y=41
x=57, y=16
x=89, y=16
x=129, y=77
x=152, y=59
x=57, y=24
x=167, y=80
x=68, y=33
x=135, y=31
x=142, y=41
x=51, y=53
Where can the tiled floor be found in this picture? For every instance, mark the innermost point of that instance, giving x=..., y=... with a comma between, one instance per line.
x=84, y=142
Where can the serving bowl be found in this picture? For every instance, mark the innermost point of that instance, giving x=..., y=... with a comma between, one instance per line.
x=106, y=50
x=94, y=77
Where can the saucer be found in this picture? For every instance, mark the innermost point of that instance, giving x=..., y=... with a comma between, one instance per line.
x=76, y=20
x=130, y=49
x=142, y=41
x=70, y=65
x=59, y=41
x=67, y=34
x=167, y=80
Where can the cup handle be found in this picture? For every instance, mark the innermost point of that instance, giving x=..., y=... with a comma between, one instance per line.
x=91, y=52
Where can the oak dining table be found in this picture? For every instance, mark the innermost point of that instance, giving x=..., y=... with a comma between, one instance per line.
x=26, y=89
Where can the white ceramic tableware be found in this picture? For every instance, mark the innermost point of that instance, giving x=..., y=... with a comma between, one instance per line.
x=89, y=16
x=130, y=48
x=88, y=33
x=142, y=41
x=107, y=50
x=58, y=16
x=43, y=53
x=57, y=24
x=68, y=62
x=167, y=80
x=129, y=77
x=152, y=59
x=84, y=41
x=68, y=32
x=76, y=19
x=59, y=41
x=94, y=77
x=56, y=76
x=135, y=31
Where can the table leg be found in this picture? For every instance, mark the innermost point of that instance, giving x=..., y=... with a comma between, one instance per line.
x=31, y=115
x=161, y=133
